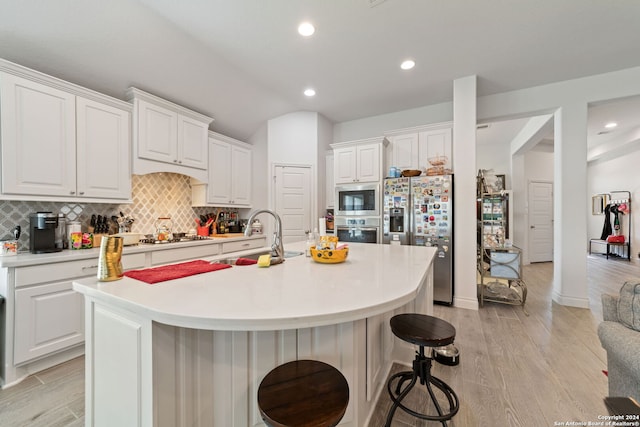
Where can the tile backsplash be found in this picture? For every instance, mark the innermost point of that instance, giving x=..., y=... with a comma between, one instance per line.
x=154, y=195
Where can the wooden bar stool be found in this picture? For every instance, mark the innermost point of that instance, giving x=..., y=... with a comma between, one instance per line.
x=303, y=393
x=423, y=331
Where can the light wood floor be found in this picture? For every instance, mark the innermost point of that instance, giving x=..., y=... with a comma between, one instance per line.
x=515, y=370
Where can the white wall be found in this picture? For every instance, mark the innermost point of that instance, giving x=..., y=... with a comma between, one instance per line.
x=538, y=166
x=325, y=138
x=496, y=157
x=371, y=127
x=293, y=138
x=260, y=172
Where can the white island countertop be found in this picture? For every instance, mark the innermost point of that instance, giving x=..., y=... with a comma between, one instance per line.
x=298, y=293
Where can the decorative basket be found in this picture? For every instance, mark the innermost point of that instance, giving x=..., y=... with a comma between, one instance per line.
x=329, y=256
x=411, y=172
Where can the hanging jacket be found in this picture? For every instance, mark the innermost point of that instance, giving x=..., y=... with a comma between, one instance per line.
x=606, y=229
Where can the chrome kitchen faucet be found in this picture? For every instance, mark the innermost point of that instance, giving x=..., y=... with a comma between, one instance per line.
x=277, y=249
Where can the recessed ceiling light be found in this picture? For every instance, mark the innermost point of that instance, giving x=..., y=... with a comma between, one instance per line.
x=309, y=92
x=408, y=64
x=306, y=29
x=611, y=125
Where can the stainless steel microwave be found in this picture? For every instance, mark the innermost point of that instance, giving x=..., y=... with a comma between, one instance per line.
x=357, y=199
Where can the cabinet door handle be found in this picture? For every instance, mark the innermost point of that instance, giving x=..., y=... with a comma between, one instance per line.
x=82, y=193
x=175, y=160
x=72, y=192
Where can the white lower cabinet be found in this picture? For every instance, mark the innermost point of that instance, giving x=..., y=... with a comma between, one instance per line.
x=243, y=245
x=48, y=318
x=48, y=313
x=171, y=256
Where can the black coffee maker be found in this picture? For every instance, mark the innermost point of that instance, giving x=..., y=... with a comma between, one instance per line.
x=42, y=232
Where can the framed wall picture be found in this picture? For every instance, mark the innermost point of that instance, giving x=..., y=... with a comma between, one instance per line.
x=598, y=203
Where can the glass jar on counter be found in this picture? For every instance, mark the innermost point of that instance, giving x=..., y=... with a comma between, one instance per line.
x=164, y=227
x=72, y=227
x=256, y=227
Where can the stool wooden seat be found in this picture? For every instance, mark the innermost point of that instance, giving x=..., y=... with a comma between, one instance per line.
x=420, y=329
x=303, y=393
x=423, y=331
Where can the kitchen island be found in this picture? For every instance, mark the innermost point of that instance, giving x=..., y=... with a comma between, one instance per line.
x=193, y=351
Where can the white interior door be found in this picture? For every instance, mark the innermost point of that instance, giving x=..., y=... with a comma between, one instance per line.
x=293, y=201
x=540, y=221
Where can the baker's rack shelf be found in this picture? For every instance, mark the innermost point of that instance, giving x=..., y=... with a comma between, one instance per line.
x=500, y=274
x=499, y=263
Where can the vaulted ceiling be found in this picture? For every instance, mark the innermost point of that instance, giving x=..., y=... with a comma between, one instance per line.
x=243, y=62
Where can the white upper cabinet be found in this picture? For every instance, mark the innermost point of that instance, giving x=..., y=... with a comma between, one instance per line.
x=358, y=161
x=38, y=138
x=168, y=137
x=229, y=180
x=435, y=151
x=192, y=142
x=405, y=151
x=157, y=132
x=219, y=186
x=241, y=176
x=427, y=148
x=60, y=141
x=345, y=169
x=368, y=163
x=103, y=150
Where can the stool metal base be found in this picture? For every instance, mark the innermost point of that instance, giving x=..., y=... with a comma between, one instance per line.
x=421, y=371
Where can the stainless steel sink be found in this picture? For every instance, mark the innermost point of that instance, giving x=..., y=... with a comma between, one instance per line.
x=292, y=254
x=232, y=261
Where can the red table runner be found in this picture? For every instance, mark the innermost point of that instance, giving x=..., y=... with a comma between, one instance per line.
x=174, y=271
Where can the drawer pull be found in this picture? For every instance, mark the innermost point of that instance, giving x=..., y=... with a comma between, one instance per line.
x=246, y=244
x=89, y=267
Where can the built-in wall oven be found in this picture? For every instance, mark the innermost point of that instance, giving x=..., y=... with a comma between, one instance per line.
x=357, y=200
x=357, y=229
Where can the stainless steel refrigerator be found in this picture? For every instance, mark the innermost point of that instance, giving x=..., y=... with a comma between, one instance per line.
x=419, y=211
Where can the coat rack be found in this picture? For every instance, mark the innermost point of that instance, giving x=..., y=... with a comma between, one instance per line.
x=609, y=200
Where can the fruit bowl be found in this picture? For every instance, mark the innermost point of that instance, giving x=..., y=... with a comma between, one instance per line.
x=329, y=256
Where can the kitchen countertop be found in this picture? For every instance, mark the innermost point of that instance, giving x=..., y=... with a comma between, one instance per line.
x=23, y=259
x=298, y=293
